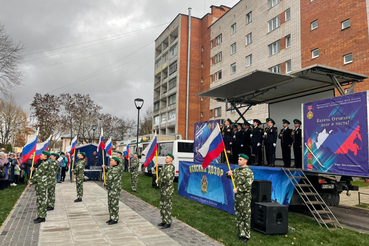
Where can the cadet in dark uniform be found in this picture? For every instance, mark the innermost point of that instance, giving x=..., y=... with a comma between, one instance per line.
x=227, y=138
x=247, y=139
x=240, y=147
x=285, y=135
x=270, y=136
x=234, y=157
x=297, y=143
x=257, y=139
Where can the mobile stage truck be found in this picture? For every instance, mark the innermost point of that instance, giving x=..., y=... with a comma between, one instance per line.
x=335, y=130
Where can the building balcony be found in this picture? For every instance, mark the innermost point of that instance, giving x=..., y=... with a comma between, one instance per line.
x=171, y=122
x=172, y=106
x=157, y=84
x=156, y=98
x=163, y=125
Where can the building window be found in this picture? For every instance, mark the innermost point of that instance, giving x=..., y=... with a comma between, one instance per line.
x=345, y=24
x=172, y=83
x=249, y=18
x=202, y=65
x=288, y=66
x=314, y=25
x=173, y=51
x=165, y=57
x=315, y=53
x=156, y=106
x=272, y=3
x=233, y=48
x=233, y=68
x=173, y=68
x=347, y=58
x=218, y=57
x=156, y=120
x=211, y=113
x=211, y=61
x=157, y=63
x=274, y=48
x=218, y=75
x=211, y=44
x=202, y=99
x=202, y=80
x=288, y=41
x=211, y=78
x=248, y=60
x=218, y=40
x=288, y=14
x=217, y=112
x=274, y=23
x=275, y=69
x=202, y=48
x=202, y=114
x=172, y=115
x=249, y=38
x=172, y=99
x=163, y=117
x=233, y=29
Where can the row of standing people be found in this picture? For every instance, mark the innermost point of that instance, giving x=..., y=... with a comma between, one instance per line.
x=244, y=139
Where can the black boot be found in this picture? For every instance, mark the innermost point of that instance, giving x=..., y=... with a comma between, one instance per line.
x=108, y=221
x=112, y=222
x=161, y=224
x=39, y=220
x=50, y=208
x=166, y=226
x=78, y=200
x=36, y=219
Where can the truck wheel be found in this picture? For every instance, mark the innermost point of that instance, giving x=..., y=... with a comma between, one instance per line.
x=327, y=198
x=336, y=199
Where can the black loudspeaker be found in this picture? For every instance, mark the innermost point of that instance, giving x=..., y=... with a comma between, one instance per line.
x=261, y=191
x=269, y=218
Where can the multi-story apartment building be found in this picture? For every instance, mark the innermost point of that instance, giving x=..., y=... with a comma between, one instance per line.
x=280, y=36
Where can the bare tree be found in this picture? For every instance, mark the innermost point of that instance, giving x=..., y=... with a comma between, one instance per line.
x=146, y=122
x=10, y=58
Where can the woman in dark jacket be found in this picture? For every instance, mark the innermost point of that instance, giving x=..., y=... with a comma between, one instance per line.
x=3, y=169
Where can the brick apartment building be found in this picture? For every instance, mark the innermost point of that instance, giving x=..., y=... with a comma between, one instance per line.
x=281, y=36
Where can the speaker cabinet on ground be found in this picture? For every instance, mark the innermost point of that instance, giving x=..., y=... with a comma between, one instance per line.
x=269, y=218
x=261, y=191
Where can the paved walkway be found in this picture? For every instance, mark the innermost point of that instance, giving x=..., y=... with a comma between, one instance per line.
x=353, y=199
x=84, y=223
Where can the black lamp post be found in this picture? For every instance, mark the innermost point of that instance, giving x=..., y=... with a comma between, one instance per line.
x=94, y=127
x=139, y=102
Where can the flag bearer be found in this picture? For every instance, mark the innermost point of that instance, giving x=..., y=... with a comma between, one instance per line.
x=243, y=178
x=79, y=171
x=285, y=135
x=41, y=179
x=165, y=182
x=297, y=143
x=54, y=166
x=114, y=187
x=134, y=171
x=270, y=136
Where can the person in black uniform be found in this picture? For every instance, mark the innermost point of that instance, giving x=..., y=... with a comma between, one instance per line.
x=239, y=140
x=257, y=139
x=270, y=136
x=297, y=143
x=285, y=135
x=234, y=145
x=247, y=139
x=227, y=138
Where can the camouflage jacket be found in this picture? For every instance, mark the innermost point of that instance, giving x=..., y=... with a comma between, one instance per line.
x=79, y=168
x=135, y=162
x=243, y=178
x=41, y=177
x=54, y=168
x=166, y=175
x=114, y=177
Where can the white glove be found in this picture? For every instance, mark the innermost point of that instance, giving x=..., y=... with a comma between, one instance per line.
x=258, y=144
x=265, y=133
x=274, y=144
x=250, y=135
x=241, y=145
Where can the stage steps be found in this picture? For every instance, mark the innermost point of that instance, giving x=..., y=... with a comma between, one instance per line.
x=313, y=201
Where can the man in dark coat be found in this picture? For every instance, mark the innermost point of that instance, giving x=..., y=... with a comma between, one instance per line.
x=297, y=143
x=270, y=136
x=285, y=135
x=247, y=139
x=257, y=140
x=228, y=138
x=240, y=147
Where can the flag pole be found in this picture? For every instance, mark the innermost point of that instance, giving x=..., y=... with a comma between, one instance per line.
x=103, y=164
x=157, y=173
x=74, y=157
x=225, y=153
x=33, y=161
x=129, y=163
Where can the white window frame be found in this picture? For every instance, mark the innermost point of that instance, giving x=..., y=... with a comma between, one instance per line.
x=218, y=58
x=288, y=14
x=234, y=28
x=170, y=115
x=288, y=66
x=275, y=69
x=233, y=48
x=218, y=112
x=248, y=17
x=274, y=23
x=249, y=60
x=312, y=53
x=272, y=3
x=218, y=75
x=345, y=21
x=312, y=26
x=201, y=114
x=156, y=120
x=233, y=68
x=249, y=38
x=347, y=62
x=274, y=48
x=218, y=40
x=288, y=41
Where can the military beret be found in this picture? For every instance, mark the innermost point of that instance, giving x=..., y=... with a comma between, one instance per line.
x=285, y=121
x=240, y=124
x=118, y=152
x=257, y=121
x=46, y=153
x=116, y=159
x=55, y=154
x=170, y=155
x=135, y=153
x=83, y=153
x=296, y=121
x=62, y=153
x=270, y=119
x=246, y=123
x=234, y=125
x=229, y=120
x=244, y=156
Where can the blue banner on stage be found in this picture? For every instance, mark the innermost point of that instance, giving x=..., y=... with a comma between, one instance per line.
x=202, y=133
x=211, y=187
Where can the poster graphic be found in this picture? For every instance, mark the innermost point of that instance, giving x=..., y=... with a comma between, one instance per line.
x=202, y=132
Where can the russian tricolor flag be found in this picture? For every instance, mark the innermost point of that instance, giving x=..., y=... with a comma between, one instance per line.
x=30, y=147
x=152, y=151
x=44, y=146
x=73, y=146
x=109, y=147
x=213, y=147
x=101, y=145
x=126, y=152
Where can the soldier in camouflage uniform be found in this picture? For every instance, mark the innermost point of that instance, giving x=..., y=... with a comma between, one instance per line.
x=114, y=187
x=165, y=182
x=41, y=179
x=120, y=157
x=134, y=171
x=243, y=178
x=80, y=174
x=54, y=166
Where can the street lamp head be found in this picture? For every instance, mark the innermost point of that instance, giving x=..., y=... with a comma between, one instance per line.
x=94, y=127
x=139, y=102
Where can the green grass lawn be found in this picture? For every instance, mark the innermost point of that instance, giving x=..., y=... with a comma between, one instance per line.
x=360, y=183
x=221, y=225
x=363, y=206
x=8, y=198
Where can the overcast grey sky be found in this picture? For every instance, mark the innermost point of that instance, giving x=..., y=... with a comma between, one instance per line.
x=104, y=48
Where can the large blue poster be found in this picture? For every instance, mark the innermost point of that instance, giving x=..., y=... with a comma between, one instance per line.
x=202, y=132
x=211, y=187
x=336, y=135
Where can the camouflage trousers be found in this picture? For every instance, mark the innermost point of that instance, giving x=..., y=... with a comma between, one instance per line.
x=113, y=204
x=134, y=180
x=242, y=207
x=41, y=201
x=166, y=207
x=51, y=196
x=79, y=185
